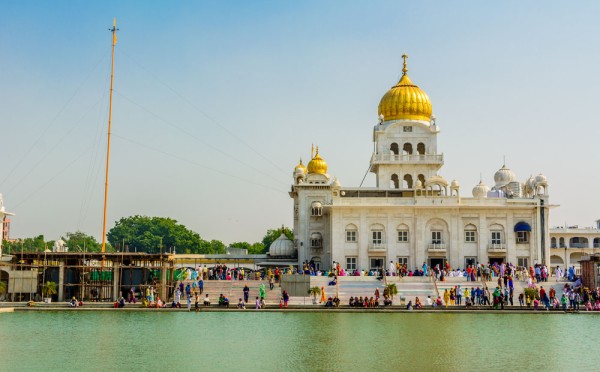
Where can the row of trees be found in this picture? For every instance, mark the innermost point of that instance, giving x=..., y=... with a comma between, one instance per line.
x=146, y=234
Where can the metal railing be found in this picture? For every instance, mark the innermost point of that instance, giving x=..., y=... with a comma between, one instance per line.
x=408, y=158
x=578, y=245
x=437, y=246
x=496, y=247
x=377, y=246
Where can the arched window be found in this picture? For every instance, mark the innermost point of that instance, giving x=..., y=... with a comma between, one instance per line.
x=596, y=242
x=578, y=242
x=394, y=182
x=561, y=243
x=421, y=148
x=316, y=262
x=408, y=149
x=316, y=240
x=470, y=233
x=377, y=234
x=408, y=182
x=351, y=233
x=394, y=148
x=553, y=243
x=422, y=179
x=402, y=233
x=497, y=235
x=316, y=209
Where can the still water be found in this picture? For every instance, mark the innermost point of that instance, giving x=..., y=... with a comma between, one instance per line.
x=76, y=340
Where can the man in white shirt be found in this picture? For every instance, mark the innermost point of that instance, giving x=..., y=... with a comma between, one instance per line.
x=392, y=268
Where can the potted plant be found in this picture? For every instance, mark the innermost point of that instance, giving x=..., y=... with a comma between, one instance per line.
x=314, y=292
x=390, y=290
x=48, y=290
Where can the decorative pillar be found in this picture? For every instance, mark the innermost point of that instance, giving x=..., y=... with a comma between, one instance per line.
x=163, y=280
x=116, y=280
x=61, y=281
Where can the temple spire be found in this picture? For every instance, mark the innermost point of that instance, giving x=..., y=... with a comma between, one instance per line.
x=404, y=68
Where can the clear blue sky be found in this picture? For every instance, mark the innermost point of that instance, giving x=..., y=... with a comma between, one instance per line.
x=215, y=102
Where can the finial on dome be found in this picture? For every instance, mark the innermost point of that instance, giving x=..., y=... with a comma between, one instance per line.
x=404, y=69
x=312, y=150
x=317, y=151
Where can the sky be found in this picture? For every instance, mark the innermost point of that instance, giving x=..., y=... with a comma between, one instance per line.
x=215, y=102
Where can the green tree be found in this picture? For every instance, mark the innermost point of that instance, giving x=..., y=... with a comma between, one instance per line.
x=78, y=241
x=273, y=234
x=35, y=244
x=156, y=234
x=256, y=248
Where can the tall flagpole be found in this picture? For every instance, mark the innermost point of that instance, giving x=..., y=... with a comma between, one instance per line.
x=114, y=30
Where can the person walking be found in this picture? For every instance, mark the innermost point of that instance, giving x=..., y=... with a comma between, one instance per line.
x=201, y=285
x=257, y=304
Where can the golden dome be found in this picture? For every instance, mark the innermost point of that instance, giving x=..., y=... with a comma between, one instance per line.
x=405, y=101
x=300, y=167
x=317, y=164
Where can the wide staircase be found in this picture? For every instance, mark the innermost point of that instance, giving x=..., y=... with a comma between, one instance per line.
x=350, y=286
x=234, y=289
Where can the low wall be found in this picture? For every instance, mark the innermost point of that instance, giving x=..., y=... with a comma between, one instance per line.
x=295, y=285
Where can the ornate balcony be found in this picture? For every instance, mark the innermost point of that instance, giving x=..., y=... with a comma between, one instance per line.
x=437, y=247
x=497, y=248
x=407, y=159
x=377, y=247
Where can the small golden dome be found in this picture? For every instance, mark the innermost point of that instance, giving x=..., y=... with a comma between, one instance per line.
x=300, y=167
x=405, y=101
x=317, y=164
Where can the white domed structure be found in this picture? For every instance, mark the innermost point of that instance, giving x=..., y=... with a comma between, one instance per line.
x=540, y=178
x=503, y=177
x=481, y=190
x=541, y=184
x=282, y=247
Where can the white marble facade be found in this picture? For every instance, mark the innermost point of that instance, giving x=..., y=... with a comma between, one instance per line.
x=414, y=215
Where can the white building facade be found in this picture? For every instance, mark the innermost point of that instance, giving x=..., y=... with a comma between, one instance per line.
x=414, y=215
x=569, y=244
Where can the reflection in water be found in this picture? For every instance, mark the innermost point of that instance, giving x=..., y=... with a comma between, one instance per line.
x=296, y=341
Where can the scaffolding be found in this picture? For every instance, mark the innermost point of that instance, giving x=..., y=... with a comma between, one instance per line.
x=86, y=276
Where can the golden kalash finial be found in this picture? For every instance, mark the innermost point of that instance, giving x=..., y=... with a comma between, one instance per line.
x=404, y=69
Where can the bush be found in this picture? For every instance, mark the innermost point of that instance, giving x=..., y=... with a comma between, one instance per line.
x=532, y=294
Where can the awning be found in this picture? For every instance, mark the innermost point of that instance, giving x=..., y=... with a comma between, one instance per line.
x=522, y=226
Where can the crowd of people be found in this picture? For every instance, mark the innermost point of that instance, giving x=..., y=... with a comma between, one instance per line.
x=503, y=275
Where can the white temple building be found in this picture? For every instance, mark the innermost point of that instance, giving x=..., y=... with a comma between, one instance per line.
x=414, y=214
